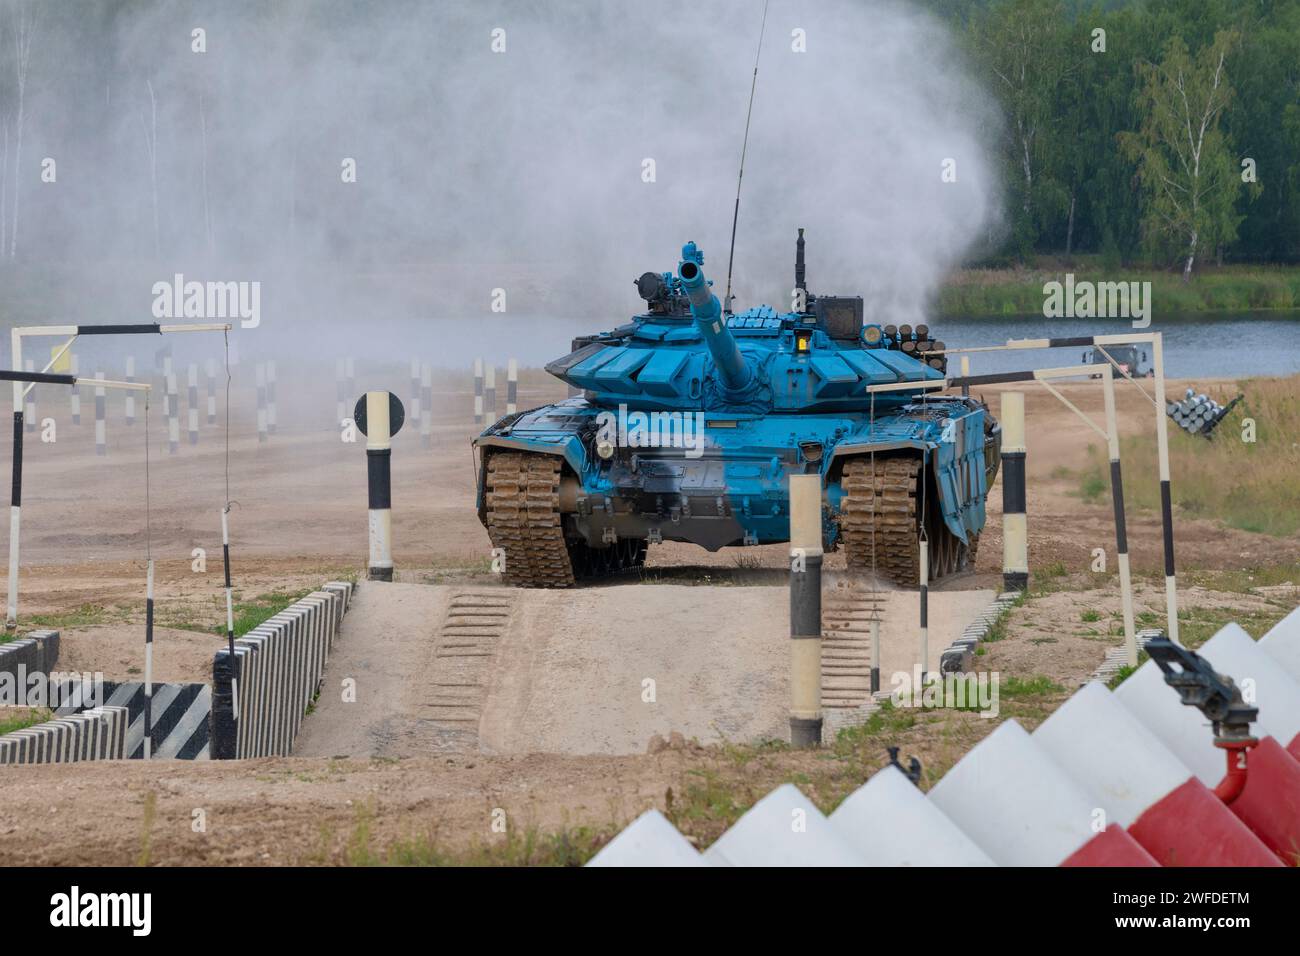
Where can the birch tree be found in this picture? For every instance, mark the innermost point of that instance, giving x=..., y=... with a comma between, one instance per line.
x=1185, y=164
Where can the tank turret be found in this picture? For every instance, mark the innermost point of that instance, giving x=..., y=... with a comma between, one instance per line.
x=733, y=368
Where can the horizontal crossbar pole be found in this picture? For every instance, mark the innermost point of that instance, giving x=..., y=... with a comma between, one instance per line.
x=1069, y=371
x=1073, y=342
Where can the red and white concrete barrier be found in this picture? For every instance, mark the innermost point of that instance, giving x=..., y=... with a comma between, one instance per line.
x=1143, y=787
x=1022, y=809
x=782, y=829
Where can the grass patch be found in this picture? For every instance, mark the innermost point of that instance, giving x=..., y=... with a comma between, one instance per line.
x=87, y=615
x=30, y=718
x=1019, y=688
x=257, y=611
x=1089, y=616
x=1250, y=486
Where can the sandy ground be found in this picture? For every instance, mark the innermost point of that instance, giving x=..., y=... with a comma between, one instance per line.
x=300, y=519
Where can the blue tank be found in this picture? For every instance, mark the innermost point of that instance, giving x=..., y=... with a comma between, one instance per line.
x=691, y=421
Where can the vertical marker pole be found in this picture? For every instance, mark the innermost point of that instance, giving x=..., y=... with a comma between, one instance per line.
x=1121, y=532
x=478, y=392
x=965, y=372
x=101, y=438
x=350, y=372
x=1015, y=528
x=426, y=423
x=31, y=400
x=173, y=414
x=15, y=509
x=260, y=372
x=512, y=386
x=340, y=393
x=1166, y=497
x=490, y=393
x=271, y=417
x=74, y=399
x=923, y=577
x=148, y=665
x=379, y=461
x=415, y=390
x=230, y=614
x=212, y=391
x=805, y=610
x=875, y=653
x=130, y=395
x=193, y=397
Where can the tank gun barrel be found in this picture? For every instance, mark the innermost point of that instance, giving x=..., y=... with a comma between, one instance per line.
x=707, y=311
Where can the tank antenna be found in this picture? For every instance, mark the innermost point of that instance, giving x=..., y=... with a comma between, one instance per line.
x=735, y=216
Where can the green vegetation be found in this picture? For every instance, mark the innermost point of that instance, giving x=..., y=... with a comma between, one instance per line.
x=257, y=611
x=1247, y=485
x=1089, y=616
x=25, y=719
x=1012, y=688
x=1096, y=156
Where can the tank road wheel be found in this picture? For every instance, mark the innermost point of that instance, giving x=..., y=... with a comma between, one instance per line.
x=523, y=519
x=886, y=498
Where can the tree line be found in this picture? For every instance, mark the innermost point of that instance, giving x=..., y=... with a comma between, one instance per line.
x=1164, y=133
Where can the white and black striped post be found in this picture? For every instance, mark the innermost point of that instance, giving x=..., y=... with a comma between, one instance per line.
x=1015, y=527
x=130, y=396
x=211, y=369
x=340, y=393
x=31, y=400
x=426, y=423
x=805, y=610
x=490, y=393
x=350, y=372
x=875, y=651
x=74, y=397
x=379, y=472
x=1166, y=497
x=478, y=392
x=260, y=376
x=101, y=437
x=230, y=613
x=512, y=386
x=173, y=414
x=193, y=402
x=923, y=578
x=415, y=390
x=148, y=665
x=271, y=414
x=1121, y=531
x=965, y=373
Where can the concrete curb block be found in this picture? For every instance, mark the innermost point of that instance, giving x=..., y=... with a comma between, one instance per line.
x=280, y=665
x=38, y=651
x=1115, y=661
x=97, y=734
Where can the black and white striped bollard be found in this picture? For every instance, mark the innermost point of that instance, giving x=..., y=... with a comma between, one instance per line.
x=490, y=393
x=923, y=600
x=805, y=610
x=426, y=390
x=1015, y=529
x=340, y=393
x=350, y=373
x=230, y=614
x=101, y=438
x=173, y=415
x=478, y=392
x=379, y=416
x=74, y=399
x=415, y=390
x=193, y=401
x=212, y=391
x=30, y=416
x=512, y=386
x=130, y=396
x=148, y=665
x=272, y=417
x=260, y=377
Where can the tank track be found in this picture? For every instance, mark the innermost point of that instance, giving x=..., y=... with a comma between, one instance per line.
x=882, y=496
x=522, y=499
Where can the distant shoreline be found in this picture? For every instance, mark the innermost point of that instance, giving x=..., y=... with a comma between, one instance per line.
x=1007, y=293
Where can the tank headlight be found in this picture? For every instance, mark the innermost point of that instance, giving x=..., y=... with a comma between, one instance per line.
x=872, y=335
x=605, y=449
x=802, y=341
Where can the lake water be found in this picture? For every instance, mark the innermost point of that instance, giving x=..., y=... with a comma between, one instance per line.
x=1207, y=345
